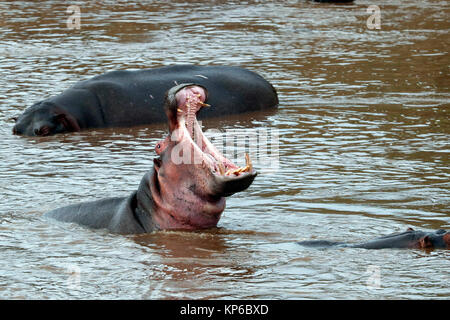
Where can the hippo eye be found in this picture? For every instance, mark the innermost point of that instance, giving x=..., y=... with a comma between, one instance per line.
x=158, y=146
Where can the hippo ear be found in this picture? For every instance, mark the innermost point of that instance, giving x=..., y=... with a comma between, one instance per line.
x=425, y=242
x=14, y=118
x=68, y=121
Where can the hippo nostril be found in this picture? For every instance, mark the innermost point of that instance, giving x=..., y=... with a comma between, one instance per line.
x=45, y=131
x=42, y=131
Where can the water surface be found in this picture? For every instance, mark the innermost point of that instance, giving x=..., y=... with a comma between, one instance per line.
x=363, y=128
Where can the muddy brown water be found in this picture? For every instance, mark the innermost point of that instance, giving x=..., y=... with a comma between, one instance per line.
x=363, y=131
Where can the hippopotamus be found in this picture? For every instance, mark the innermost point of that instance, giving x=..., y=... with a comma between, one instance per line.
x=185, y=189
x=439, y=239
x=130, y=98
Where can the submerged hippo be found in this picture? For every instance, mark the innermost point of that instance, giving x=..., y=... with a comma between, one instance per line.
x=187, y=186
x=439, y=239
x=130, y=98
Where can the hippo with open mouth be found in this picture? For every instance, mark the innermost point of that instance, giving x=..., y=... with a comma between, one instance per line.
x=187, y=186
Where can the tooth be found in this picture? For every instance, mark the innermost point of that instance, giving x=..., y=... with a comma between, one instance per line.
x=221, y=168
x=205, y=104
x=245, y=169
x=236, y=171
x=248, y=162
x=179, y=110
x=230, y=172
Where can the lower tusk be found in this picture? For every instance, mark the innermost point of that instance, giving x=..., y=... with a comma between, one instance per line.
x=248, y=167
x=248, y=162
x=237, y=171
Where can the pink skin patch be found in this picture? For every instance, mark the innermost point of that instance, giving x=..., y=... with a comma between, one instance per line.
x=162, y=145
x=446, y=238
x=190, y=100
x=191, y=93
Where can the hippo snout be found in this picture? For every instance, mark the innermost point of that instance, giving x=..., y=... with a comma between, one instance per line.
x=41, y=131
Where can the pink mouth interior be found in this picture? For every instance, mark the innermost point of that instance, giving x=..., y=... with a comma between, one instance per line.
x=190, y=100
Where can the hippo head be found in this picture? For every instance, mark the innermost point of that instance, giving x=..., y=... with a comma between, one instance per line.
x=191, y=177
x=44, y=118
x=439, y=239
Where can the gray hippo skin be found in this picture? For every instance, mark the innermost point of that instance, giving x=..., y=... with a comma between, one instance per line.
x=187, y=186
x=131, y=98
x=411, y=239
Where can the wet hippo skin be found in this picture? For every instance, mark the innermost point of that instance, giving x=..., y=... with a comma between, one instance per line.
x=187, y=186
x=131, y=98
x=411, y=239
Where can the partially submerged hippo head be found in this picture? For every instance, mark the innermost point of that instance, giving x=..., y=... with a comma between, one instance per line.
x=44, y=118
x=410, y=239
x=439, y=239
x=191, y=177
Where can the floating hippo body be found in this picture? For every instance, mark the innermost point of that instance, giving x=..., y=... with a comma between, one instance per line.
x=130, y=98
x=439, y=239
x=187, y=186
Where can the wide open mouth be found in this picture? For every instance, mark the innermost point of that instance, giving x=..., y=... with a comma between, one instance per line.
x=229, y=178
